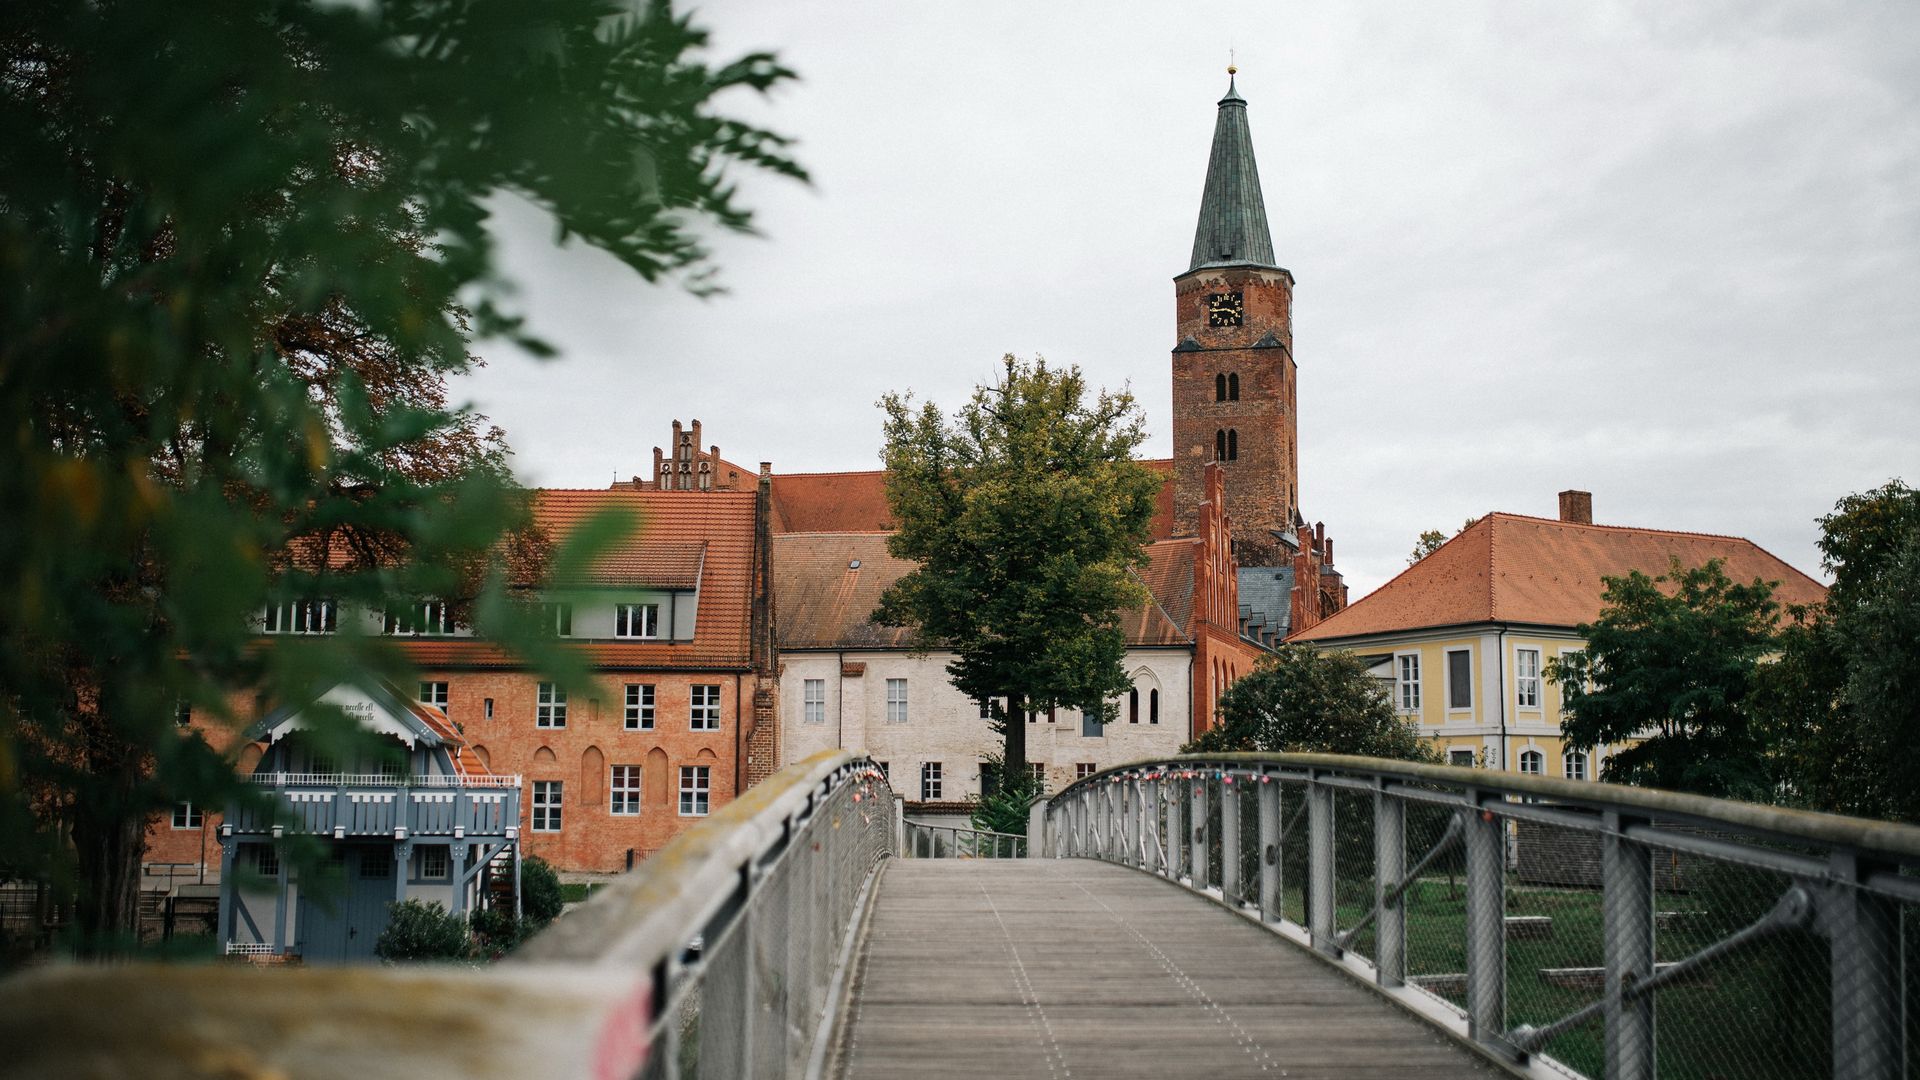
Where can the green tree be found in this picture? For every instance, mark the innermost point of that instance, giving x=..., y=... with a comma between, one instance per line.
x=1026, y=515
x=1302, y=700
x=1845, y=688
x=1427, y=543
x=1676, y=664
x=241, y=250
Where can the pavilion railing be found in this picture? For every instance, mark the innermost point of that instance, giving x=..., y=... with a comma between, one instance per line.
x=1566, y=927
x=721, y=956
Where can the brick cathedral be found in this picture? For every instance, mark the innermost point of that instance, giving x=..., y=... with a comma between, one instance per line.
x=1234, y=398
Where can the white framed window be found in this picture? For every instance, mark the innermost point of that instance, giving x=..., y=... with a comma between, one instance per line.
x=1526, y=678
x=704, y=708
x=1533, y=763
x=434, y=863
x=434, y=694
x=425, y=617
x=636, y=620
x=266, y=861
x=813, y=701
x=639, y=706
x=300, y=617
x=1038, y=770
x=624, y=793
x=551, y=710
x=930, y=781
x=1574, y=764
x=896, y=701
x=695, y=789
x=186, y=816
x=1407, y=682
x=1459, y=679
x=1460, y=758
x=1084, y=769
x=558, y=617
x=546, y=806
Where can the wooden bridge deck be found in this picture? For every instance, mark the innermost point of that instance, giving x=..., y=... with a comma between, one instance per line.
x=1063, y=968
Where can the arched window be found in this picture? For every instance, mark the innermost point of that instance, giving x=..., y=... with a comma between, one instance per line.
x=1233, y=387
x=1220, y=445
x=1575, y=764
x=1219, y=388
x=1153, y=705
x=1133, y=705
x=1233, y=445
x=1533, y=763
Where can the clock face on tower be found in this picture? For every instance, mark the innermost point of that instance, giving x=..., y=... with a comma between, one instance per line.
x=1225, y=309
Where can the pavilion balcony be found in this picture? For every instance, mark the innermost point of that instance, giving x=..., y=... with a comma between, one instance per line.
x=343, y=805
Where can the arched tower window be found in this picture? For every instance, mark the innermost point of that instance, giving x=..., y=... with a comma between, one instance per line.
x=1220, y=445
x=1233, y=445
x=1233, y=387
x=1219, y=388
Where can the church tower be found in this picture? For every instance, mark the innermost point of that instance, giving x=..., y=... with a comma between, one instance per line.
x=1233, y=368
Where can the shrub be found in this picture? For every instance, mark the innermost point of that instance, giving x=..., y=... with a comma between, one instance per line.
x=1005, y=811
x=541, y=897
x=423, y=930
x=497, y=931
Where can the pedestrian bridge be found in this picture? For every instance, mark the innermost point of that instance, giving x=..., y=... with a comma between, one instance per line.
x=1244, y=915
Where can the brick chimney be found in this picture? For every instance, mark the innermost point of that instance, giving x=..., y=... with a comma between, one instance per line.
x=1576, y=507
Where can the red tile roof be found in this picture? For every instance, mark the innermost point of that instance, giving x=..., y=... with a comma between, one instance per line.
x=1539, y=571
x=857, y=502
x=679, y=538
x=823, y=601
x=831, y=502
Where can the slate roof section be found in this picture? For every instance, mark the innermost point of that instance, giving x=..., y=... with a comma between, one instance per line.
x=1233, y=217
x=1509, y=568
x=823, y=601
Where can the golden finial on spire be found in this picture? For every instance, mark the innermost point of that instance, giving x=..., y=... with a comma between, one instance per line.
x=1232, y=69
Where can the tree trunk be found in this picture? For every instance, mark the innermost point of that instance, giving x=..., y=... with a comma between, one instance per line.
x=1014, y=761
x=109, y=840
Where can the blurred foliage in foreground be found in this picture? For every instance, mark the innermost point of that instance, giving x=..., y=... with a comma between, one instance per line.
x=242, y=248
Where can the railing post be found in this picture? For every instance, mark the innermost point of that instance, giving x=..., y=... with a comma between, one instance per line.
x=1037, y=845
x=228, y=888
x=1154, y=848
x=1197, y=830
x=1176, y=833
x=1389, y=867
x=1142, y=791
x=1123, y=833
x=1320, y=867
x=1627, y=924
x=1486, y=928
x=1229, y=842
x=1270, y=910
x=1863, y=930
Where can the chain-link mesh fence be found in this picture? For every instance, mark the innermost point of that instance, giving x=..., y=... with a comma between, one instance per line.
x=1578, y=925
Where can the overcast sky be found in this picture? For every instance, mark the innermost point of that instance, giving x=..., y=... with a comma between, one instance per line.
x=1668, y=253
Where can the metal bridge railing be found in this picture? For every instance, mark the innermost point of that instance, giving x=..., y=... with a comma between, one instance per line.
x=720, y=956
x=1566, y=927
x=956, y=842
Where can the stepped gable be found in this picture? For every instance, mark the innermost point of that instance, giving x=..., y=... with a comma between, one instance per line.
x=1539, y=571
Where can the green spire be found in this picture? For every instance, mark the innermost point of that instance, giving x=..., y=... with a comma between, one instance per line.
x=1233, y=219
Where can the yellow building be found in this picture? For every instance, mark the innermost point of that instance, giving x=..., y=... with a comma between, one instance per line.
x=1464, y=636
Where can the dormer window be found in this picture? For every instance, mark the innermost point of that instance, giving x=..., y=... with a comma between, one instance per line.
x=426, y=617
x=300, y=617
x=636, y=620
x=558, y=618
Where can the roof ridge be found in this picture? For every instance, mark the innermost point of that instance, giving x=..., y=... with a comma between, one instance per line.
x=1618, y=528
x=831, y=472
x=838, y=532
